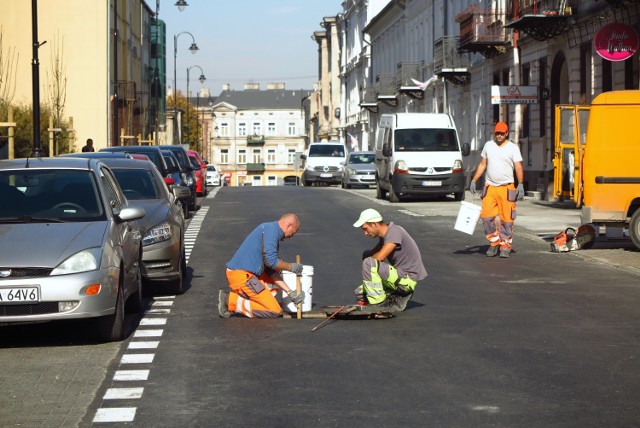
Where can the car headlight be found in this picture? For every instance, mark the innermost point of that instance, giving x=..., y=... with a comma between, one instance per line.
x=158, y=233
x=190, y=181
x=351, y=171
x=82, y=261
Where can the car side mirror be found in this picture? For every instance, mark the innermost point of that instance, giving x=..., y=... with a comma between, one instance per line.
x=466, y=149
x=386, y=150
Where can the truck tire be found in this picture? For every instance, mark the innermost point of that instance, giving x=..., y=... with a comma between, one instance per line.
x=380, y=193
x=634, y=228
x=459, y=196
x=393, y=196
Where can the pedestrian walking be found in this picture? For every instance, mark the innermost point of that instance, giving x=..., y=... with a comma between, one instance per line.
x=390, y=270
x=254, y=272
x=89, y=146
x=499, y=159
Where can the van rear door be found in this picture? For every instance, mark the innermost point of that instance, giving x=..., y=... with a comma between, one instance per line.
x=570, y=139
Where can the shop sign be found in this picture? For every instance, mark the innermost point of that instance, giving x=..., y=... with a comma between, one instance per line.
x=616, y=42
x=514, y=94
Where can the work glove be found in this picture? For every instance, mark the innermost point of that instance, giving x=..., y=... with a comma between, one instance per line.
x=296, y=268
x=472, y=188
x=520, y=192
x=295, y=297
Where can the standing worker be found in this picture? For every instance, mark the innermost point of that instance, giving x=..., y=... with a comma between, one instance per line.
x=499, y=158
x=89, y=146
x=391, y=269
x=255, y=266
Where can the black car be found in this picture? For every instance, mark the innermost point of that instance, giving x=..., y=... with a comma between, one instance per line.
x=179, y=179
x=152, y=152
x=185, y=167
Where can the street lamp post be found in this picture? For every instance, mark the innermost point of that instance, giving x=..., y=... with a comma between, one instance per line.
x=202, y=80
x=193, y=49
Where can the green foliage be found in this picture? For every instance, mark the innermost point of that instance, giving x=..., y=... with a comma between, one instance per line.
x=23, y=117
x=191, y=126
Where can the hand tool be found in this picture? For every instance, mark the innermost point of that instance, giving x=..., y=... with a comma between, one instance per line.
x=299, y=289
x=351, y=309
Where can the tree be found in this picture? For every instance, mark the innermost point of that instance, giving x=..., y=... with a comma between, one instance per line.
x=57, y=84
x=190, y=128
x=8, y=70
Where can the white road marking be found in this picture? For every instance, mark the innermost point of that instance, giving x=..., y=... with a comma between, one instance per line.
x=131, y=375
x=115, y=414
x=151, y=344
x=158, y=311
x=148, y=333
x=153, y=321
x=162, y=303
x=123, y=393
x=137, y=358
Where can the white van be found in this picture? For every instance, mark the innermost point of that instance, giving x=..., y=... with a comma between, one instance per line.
x=324, y=163
x=418, y=154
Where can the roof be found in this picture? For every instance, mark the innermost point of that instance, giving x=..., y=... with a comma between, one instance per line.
x=271, y=99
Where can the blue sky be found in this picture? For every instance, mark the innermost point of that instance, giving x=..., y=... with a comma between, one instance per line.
x=244, y=41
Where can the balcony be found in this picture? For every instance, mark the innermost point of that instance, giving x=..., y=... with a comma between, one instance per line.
x=387, y=89
x=482, y=30
x=370, y=98
x=126, y=90
x=540, y=19
x=255, y=140
x=407, y=72
x=255, y=167
x=448, y=63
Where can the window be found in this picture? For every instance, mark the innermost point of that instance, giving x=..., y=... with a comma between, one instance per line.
x=271, y=128
x=291, y=128
x=256, y=154
x=272, y=180
x=224, y=129
x=291, y=154
x=256, y=128
x=242, y=156
x=271, y=156
x=242, y=129
x=224, y=156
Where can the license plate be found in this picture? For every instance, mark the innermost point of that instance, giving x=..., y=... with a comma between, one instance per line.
x=20, y=295
x=325, y=175
x=431, y=183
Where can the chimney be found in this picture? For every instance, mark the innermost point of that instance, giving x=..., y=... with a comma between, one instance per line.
x=226, y=86
x=251, y=86
x=275, y=85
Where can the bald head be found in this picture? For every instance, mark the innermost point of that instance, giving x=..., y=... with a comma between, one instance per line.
x=290, y=224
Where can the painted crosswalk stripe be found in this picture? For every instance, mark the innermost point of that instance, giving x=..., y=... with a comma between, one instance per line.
x=115, y=414
x=151, y=344
x=123, y=393
x=137, y=358
x=164, y=311
x=153, y=321
x=148, y=333
x=163, y=303
x=131, y=375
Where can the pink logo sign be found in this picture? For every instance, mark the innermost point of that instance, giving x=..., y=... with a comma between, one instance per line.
x=616, y=42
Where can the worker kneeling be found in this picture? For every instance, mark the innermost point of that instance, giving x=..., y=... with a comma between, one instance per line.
x=391, y=269
x=254, y=272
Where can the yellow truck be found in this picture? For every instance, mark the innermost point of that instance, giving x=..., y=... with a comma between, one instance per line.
x=597, y=160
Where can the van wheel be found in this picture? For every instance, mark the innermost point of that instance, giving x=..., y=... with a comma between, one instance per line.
x=380, y=194
x=393, y=196
x=634, y=228
x=459, y=196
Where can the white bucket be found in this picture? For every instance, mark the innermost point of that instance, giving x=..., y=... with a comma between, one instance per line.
x=307, y=286
x=468, y=217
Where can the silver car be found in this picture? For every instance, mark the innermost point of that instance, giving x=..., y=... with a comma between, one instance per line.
x=70, y=248
x=359, y=170
x=163, y=247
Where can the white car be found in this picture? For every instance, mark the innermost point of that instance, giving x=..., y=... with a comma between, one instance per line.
x=213, y=176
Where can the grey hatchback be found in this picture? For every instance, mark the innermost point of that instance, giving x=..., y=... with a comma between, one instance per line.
x=70, y=248
x=359, y=170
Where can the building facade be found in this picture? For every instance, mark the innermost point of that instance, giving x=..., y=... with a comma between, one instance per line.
x=257, y=133
x=445, y=56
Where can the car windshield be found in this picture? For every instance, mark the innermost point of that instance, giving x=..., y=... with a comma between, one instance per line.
x=136, y=183
x=181, y=156
x=426, y=140
x=362, y=158
x=50, y=195
x=322, y=150
x=211, y=168
x=194, y=162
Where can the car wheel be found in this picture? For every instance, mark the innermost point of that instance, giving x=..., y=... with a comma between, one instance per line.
x=135, y=302
x=348, y=186
x=634, y=228
x=393, y=196
x=307, y=183
x=178, y=285
x=111, y=327
x=185, y=210
x=342, y=185
x=380, y=194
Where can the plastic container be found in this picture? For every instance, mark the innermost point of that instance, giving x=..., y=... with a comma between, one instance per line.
x=468, y=217
x=306, y=281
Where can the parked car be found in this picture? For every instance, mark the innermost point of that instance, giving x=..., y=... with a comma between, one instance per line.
x=177, y=179
x=72, y=250
x=152, y=152
x=359, y=170
x=213, y=176
x=163, y=247
x=185, y=166
x=201, y=172
x=98, y=155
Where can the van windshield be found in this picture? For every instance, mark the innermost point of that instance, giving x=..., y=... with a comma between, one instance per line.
x=328, y=150
x=425, y=140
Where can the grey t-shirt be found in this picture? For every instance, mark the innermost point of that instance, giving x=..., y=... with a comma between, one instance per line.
x=406, y=257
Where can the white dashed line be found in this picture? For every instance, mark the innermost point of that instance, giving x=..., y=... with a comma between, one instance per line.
x=115, y=414
x=148, y=333
x=144, y=345
x=131, y=375
x=123, y=393
x=153, y=321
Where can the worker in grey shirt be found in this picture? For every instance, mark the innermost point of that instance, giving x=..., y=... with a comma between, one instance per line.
x=390, y=270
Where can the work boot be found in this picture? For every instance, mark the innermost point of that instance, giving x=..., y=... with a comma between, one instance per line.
x=399, y=301
x=492, y=251
x=505, y=253
x=223, y=304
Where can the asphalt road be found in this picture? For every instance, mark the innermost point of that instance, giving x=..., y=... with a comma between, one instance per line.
x=535, y=340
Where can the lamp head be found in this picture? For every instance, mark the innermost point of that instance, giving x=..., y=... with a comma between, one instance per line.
x=193, y=48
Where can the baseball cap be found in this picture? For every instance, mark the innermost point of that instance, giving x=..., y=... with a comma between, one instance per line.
x=368, y=216
x=501, y=127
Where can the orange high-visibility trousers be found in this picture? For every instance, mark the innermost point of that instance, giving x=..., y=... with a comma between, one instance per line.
x=499, y=201
x=251, y=296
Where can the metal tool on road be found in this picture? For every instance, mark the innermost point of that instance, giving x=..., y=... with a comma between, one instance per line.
x=299, y=289
x=351, y=309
